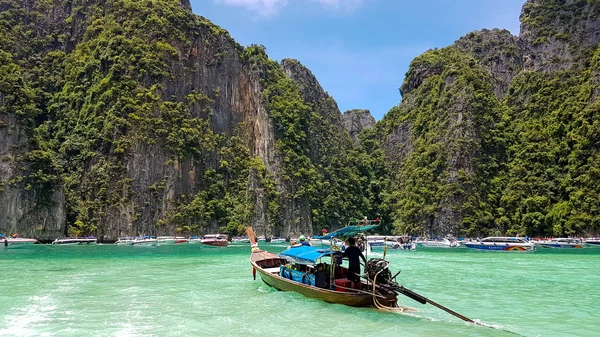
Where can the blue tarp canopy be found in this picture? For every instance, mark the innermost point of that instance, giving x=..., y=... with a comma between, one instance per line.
x=347, y=232
x=305, y=254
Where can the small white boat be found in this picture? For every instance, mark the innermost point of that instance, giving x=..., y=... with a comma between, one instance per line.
x=194, y=239
x=501, y=243
x=561, y=243
x=126, y=240
x=137, y=241
x=393, y=242
x=238, y=239
x=15, y=241
x=399, y=245
x=593, y=241
x=144, y=241
x=75, y=241
x=445, y=243
x=170, y=240
x=278, y=240
x=326, y=243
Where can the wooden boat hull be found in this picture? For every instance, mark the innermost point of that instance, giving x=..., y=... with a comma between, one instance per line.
x=353, y=299
x=330, y=296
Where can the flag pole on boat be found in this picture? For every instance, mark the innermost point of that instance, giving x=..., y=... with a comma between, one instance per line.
x=253, y=244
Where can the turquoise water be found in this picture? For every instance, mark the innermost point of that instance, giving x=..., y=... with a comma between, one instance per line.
x=109, y=290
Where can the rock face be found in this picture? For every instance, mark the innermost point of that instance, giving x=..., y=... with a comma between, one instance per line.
x=556, y=34
x=467, y=162
x=329, y=145
x=22, y=202
x=149, y=180
x=186, y=4
x=438, y=143
x=139, y=117
x=121, y=119
x=496, y=50
x=323, y=104
x=357, y=120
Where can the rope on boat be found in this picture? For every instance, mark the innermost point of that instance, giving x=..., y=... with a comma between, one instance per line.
x=378, y=305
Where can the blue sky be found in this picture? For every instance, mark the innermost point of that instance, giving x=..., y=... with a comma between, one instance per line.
x=359, y=50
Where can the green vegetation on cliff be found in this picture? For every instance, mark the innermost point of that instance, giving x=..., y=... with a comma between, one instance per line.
x=522, y=163
x=116, y=120
x=552, y=186
x=446, y=179
x=126, y=117
x=323, y=168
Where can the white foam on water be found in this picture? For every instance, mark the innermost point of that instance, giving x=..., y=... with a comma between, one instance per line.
x=24, y=322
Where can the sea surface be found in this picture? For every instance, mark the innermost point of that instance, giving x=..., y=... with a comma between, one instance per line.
x=190, y=290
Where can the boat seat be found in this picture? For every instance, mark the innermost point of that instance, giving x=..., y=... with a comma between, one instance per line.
x=274, y=270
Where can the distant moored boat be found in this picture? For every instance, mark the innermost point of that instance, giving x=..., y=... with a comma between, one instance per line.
x=501, y=243
x=593, y=241
x=126, y=240
x=144, y=241
x=170, y=240
x=76, y=241
x=15, y=241
x=137, y=241
x=445, y=243
x=216, y=240
x=238, y=239
x=561, y=243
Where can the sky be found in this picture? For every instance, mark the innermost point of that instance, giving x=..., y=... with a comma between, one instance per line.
x=359, y=50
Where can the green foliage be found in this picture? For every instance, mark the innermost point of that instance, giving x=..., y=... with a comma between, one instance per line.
x=88, y=83
x=456, y=146
x=320, y=163
x=79, y=228
x=555, y=19
x=90, y=99
x=552, y=186
x=527, y=165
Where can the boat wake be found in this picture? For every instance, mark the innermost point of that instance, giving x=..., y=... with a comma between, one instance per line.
x=478, y=322
x=497, y=327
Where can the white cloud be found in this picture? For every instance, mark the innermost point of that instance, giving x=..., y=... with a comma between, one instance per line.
x=340, y=4
x=270, y=8
x=263, y=7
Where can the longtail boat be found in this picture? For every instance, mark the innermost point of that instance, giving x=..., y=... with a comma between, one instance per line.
x=317, y=272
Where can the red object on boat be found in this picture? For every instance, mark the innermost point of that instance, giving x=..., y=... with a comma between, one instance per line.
x=342, y=282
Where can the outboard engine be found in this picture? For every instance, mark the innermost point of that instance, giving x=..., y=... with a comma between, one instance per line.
x=378, y=267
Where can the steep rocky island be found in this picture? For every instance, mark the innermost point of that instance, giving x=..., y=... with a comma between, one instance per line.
x=499, y=134
x=122, y=117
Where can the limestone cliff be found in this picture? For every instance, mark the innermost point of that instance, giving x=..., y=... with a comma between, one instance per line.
x=128, y=180
x=128, y=117
x=468, y=162
x=357, y=120
x=559, y=34
x=496, y=50
x=328, y=145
